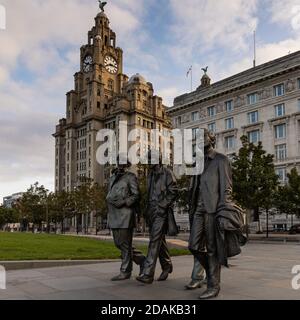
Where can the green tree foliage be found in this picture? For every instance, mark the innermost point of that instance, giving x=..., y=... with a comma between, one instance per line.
x=98, y=202
x=183, y=188
x=8, y=215
x=39, y=206
x=254, y=178
x=287, y=198
x=33, y=205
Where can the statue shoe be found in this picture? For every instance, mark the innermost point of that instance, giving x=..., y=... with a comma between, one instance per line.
x=194, y=284
x=145, y=279
x=165, y=274
x=210, y=293
x=121, y=277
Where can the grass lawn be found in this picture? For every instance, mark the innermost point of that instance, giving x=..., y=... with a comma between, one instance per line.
x=27, y=246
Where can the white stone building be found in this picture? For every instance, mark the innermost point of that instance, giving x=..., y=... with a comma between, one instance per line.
x=262, y=102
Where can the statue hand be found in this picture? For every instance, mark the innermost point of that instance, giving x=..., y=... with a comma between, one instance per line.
x=161, y=212
x=222, y=223
x=118, y=203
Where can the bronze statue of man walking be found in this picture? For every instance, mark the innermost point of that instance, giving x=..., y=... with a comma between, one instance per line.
x=123, y=201
x=217, y=224
x=162, y=192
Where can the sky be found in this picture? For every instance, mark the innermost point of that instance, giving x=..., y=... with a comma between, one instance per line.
x=39, y=54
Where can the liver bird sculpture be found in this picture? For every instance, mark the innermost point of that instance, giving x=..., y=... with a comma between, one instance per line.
x=102, y=5
x=204, y=70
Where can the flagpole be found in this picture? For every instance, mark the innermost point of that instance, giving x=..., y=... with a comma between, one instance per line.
x=192, y=79
x=254, y=40
x=190, y=72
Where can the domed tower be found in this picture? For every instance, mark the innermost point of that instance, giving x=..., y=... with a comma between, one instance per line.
x=102, y=97
x=205, y=80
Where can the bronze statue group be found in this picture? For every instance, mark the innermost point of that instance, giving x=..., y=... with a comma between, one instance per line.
x=216, y=221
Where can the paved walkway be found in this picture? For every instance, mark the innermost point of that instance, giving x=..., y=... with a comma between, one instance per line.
x=183, y=238
x=183, y=243
x=263, y=271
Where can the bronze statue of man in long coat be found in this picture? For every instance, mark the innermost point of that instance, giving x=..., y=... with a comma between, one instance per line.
x=123, y=202
x=217, y=225
x=162, y=192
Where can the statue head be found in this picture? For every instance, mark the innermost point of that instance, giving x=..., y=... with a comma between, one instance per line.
x=123, y=162
x=209, y=140
x=154, y=158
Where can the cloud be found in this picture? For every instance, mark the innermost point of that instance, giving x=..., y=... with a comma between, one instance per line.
x=39, y=54
x=169, y=94
x=201, y=25
x=285, y=12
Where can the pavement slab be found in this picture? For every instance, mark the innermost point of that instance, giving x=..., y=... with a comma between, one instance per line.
x=262, y=271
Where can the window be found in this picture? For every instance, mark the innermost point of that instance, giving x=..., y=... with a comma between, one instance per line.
x=299, y=105
x=281, y=172
x=279, y=90
x=195, y=116
x=178, y=121
x=195, y=133
x=254, y=136
x=252, y=98
x=229, y=106
x=280, y=110
x=280, y=131
x=230, y=143
x=211, y=111
x=110, y=85
x=212, y=127
x=229, y=123
x=194, y=149
x=281, y=152
x=98, y=105
x=253, y=117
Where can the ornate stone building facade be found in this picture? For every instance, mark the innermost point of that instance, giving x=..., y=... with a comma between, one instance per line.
x=103, y=96
x=262, y=103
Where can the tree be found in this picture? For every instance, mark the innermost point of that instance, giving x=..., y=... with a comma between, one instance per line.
x=183, y=184
x=254, y=178
x=8, y=215
x=98, y=202
x=60, y=208
x=83, y=204
x=33, y=206
x=288, y=196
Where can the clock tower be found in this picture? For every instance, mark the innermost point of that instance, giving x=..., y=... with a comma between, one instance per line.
x=102, y=97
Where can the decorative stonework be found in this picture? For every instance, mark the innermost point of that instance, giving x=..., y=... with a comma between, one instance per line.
x=186, y=118
x=239, y=101
x=220, y=107
x=203, y=113
x=266, y=93
x=290, y=85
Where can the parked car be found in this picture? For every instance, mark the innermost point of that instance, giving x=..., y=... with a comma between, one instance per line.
x=295, y=229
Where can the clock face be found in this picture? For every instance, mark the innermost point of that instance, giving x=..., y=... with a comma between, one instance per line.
x=111, y=64
x=87, y=64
